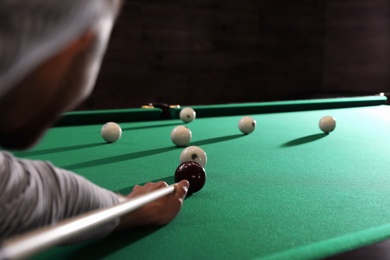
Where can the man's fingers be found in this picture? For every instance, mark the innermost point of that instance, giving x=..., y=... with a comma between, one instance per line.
x=181, y=189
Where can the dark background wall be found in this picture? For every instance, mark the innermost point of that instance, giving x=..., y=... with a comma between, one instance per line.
x=357, y=46
x=226, y=51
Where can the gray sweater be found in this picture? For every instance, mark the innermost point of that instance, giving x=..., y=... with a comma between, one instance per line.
x=35, y=193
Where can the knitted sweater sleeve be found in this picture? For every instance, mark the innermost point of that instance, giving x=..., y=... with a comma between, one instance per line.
x=35, y=194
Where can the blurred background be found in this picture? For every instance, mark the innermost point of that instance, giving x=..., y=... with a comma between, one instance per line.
x=227, y=51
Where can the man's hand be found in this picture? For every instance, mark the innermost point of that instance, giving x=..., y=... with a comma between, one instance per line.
x=158, y=212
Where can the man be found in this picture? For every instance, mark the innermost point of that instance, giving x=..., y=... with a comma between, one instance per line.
x=50, y=54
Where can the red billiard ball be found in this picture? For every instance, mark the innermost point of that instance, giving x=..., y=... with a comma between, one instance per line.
x=194, y=173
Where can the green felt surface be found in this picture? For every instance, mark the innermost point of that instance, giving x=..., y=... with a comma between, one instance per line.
x=286, y=191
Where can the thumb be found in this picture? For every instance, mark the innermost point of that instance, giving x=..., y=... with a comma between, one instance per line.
x=181, y=189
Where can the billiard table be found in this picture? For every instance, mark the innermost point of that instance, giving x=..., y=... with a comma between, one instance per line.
x=285, y=191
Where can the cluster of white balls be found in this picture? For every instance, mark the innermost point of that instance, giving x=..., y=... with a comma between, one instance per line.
x=181, y=135
x=247, y=124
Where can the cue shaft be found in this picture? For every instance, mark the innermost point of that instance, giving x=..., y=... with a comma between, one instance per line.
x=33, y=242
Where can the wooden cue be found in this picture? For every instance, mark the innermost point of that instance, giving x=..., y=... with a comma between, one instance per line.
x=33, y=242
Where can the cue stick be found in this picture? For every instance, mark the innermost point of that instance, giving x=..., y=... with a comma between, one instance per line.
x=33, y=242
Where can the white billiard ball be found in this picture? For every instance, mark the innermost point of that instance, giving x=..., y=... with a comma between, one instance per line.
x=247, y=125
x=327, y=124
x=111, y=132
x=181, y=135
x=194, y=154
x=187, y=114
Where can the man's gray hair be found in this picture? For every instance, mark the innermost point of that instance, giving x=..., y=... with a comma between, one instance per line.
x=31, y=31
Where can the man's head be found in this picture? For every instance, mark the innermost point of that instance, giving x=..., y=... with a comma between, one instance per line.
x=50, y=54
